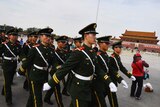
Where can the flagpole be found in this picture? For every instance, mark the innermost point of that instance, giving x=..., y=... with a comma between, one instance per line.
x=97, y=10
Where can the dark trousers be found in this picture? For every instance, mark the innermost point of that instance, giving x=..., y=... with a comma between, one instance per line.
x=112, y=96
x=57, y=93
x=9, y=70
x=65, y=83
x=98, y=99
x=49, y=94
x=26, y=82
x=35, y=95
x=80, y=103
x=136, y=87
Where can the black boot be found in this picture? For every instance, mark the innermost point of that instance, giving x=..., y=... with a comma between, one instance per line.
x=25, y=85
x=9, y=103
x=64, y=92
x=48, y=101
x=2, y=93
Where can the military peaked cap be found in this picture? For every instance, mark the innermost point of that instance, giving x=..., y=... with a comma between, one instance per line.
x=91, y=28
x=117, y=44
x=33, y=33
x=77, y=39
x=45, y=31
x=104, y=39
x=2, y=30
x=13, y=31
x=62, y=38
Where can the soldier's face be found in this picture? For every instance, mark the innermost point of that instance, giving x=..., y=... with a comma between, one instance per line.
x=45, y=39
x=29, y=38
x=117, y=50
x=2, y=34
x=51, y=41
x=91, y=38
x=77, y=43
x=13, y=37
x=34, y=39
x=61, y=44
x=104, y=46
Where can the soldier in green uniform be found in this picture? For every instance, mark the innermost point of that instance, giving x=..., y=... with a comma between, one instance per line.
x=83, y=65
x=9, y=51
x=49, y=93
x=116, y=65
x=39, y=58
x=62, y=53
x=31, y=41
x=103, y=59
x=61, y=56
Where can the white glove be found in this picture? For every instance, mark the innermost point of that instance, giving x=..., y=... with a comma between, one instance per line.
x=124, y=84
x=133, y=78
x=18, y=75
x=46, y=86
x=112, y=87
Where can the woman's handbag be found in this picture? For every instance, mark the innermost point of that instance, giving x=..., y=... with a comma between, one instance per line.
x=146, y=75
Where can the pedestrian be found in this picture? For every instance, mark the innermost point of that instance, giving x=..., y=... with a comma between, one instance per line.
x=21, y=41
x=83, y=65
x=138, y=71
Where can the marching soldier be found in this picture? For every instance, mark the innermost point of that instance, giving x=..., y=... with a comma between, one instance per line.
x=39, y=58
x=83, y=65
x=61, y=56
x=32, y=39
x=10, y=51
x=116, y=65
x=103, y=60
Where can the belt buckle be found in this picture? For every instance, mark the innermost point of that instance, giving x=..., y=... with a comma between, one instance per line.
x=13, y=59
x=91, y=77
x=45, y=68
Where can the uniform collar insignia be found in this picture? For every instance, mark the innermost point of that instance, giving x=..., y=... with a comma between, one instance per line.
x=98, y=53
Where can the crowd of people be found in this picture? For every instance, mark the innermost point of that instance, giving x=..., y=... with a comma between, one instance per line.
x=88, y=73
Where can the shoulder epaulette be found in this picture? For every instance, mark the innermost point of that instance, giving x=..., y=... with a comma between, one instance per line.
x=36, y=45
x=80, y=49
x=98, y=53
x=66, y=51
x=112, y=55
x=17, y=42
x=4, y=42
x=26, y=43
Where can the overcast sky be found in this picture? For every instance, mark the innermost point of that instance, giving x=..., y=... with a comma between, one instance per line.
x=69, y=16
